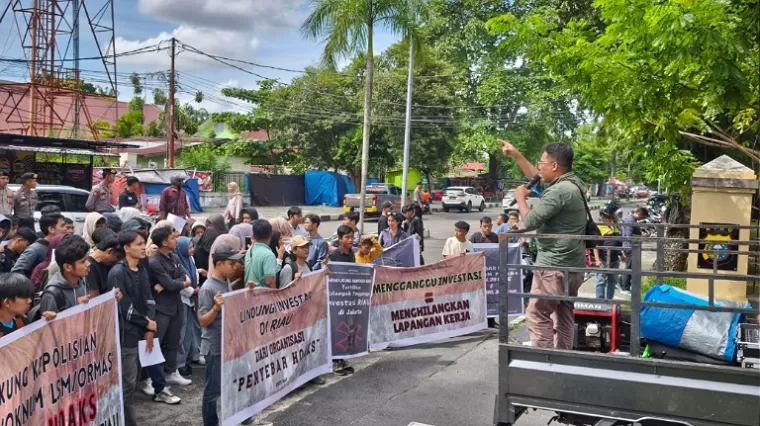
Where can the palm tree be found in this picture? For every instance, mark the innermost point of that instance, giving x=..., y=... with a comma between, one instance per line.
x=347, y=27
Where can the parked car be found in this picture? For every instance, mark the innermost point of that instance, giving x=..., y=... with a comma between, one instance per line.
x=71, y=201
x=463, y=198
x=377, y=194
x=508, y=202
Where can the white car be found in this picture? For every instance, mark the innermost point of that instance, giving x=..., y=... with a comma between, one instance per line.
x=463, y=198
x=71, y=201
x=508, y=202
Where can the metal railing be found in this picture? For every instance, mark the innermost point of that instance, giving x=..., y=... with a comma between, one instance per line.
x=220, y=181
x=637, y=272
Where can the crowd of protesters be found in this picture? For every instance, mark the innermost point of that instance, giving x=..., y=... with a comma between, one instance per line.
x=169, y=282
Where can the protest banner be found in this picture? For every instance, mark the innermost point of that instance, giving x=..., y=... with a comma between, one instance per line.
x=514, y=278
x=273, y=342
x=64, y=372
x=427, y=303
x=350, y=287
x=405, y=253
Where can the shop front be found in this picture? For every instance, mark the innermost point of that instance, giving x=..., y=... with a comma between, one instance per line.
x=56, y=161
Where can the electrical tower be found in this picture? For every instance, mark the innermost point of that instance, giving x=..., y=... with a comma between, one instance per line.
x=51, y=101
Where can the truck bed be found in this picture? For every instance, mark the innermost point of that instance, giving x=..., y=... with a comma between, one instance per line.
x=624, y=388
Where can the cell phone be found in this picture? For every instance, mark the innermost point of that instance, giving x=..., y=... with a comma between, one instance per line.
x=247, y=242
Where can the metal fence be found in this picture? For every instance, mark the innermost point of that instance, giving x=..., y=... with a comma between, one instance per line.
x=637, y=272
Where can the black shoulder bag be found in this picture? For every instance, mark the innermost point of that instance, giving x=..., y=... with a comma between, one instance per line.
x=592, y=229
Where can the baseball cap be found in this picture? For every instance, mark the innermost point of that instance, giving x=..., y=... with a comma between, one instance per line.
x=299, y=241
x=226, y=252
x=27, y=176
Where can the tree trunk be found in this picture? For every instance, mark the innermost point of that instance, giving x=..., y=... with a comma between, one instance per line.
x=678, y=214
x=493, y=171
x=367, y=124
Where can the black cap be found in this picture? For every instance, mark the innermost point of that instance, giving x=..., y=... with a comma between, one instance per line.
x=107, y=171
x=5, y=173
x=226, y=252
x=29, y=175
x=177, y=180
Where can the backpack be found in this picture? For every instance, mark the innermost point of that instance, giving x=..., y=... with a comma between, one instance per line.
x=35, y=313
x=293, y=267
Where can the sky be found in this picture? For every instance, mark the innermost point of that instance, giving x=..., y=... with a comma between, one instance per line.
x=260, y=31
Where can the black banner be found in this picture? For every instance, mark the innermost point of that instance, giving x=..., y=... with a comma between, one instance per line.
x=350, y=295
x=514, y=255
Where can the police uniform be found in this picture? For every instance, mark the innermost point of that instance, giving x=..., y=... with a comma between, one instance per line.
x=100, y=197
x=25, y=203
x=6, y=198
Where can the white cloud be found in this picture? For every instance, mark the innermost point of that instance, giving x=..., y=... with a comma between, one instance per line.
x=255, y=43
x=236, y=15
x=213, y=41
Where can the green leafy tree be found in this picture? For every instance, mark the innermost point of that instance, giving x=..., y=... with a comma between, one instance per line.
x=348, y=27
x=205, y=157
x=671, y=73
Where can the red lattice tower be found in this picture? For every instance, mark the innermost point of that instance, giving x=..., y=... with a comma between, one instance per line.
x=51, y=102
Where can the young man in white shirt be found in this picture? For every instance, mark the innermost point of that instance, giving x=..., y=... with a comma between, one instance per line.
x=458, y=244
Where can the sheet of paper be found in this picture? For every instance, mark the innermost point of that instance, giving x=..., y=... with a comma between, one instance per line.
x=155, y=356
x=179, y=223
x=4, y=243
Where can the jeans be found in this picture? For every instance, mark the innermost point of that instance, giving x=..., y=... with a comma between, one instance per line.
x=189, y=338
x=169, y=329
x=130, y=371
x=156, y=374
x=625, y=282
x=605, y=283
x=212, y=390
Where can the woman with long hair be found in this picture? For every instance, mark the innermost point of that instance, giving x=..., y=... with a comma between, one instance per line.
x=394, y=234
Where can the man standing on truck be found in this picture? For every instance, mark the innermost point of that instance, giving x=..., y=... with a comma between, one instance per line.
x=561, y=210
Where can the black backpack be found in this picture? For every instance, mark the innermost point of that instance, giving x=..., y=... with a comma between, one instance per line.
x=293, y=267
x=36, y=313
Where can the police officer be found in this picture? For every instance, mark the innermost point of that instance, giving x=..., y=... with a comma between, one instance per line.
x=100, y=197
x=6, y=195
x=25, y=200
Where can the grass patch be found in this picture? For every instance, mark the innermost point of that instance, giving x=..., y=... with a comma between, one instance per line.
x=650, y=282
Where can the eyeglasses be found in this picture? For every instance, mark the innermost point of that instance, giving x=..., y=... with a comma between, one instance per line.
x=539, y=163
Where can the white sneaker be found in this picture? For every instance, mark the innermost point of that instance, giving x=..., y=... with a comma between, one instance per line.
x=176, y=379
x=146, y=387
x=166, y=397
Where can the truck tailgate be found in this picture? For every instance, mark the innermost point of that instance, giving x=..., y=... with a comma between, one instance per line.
x=626, y=388
x=354, y=200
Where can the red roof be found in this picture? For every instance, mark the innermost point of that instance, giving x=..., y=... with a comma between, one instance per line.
x=99, y=108
x=473, y=166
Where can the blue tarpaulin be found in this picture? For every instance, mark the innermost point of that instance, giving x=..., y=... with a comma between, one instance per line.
x=191, y=188
x=703, y=332
x=327, y=188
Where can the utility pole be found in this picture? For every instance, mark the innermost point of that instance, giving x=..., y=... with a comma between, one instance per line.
x=75, y=40
x=170, y=112
x=408, y=127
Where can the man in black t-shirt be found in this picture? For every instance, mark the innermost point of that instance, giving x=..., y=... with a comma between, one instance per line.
x=129, y=197
x=107, y=252
x=486, y=234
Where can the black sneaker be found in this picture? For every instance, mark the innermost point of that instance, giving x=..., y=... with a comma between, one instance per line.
x=339, y=368
x=185, y=371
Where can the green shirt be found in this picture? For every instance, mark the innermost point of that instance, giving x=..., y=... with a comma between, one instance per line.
x=260, y=263
x=561, y=210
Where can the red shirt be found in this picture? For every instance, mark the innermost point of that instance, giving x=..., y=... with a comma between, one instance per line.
x=173, y=201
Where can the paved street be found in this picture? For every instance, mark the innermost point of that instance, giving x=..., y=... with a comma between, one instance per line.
x=448, y=383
